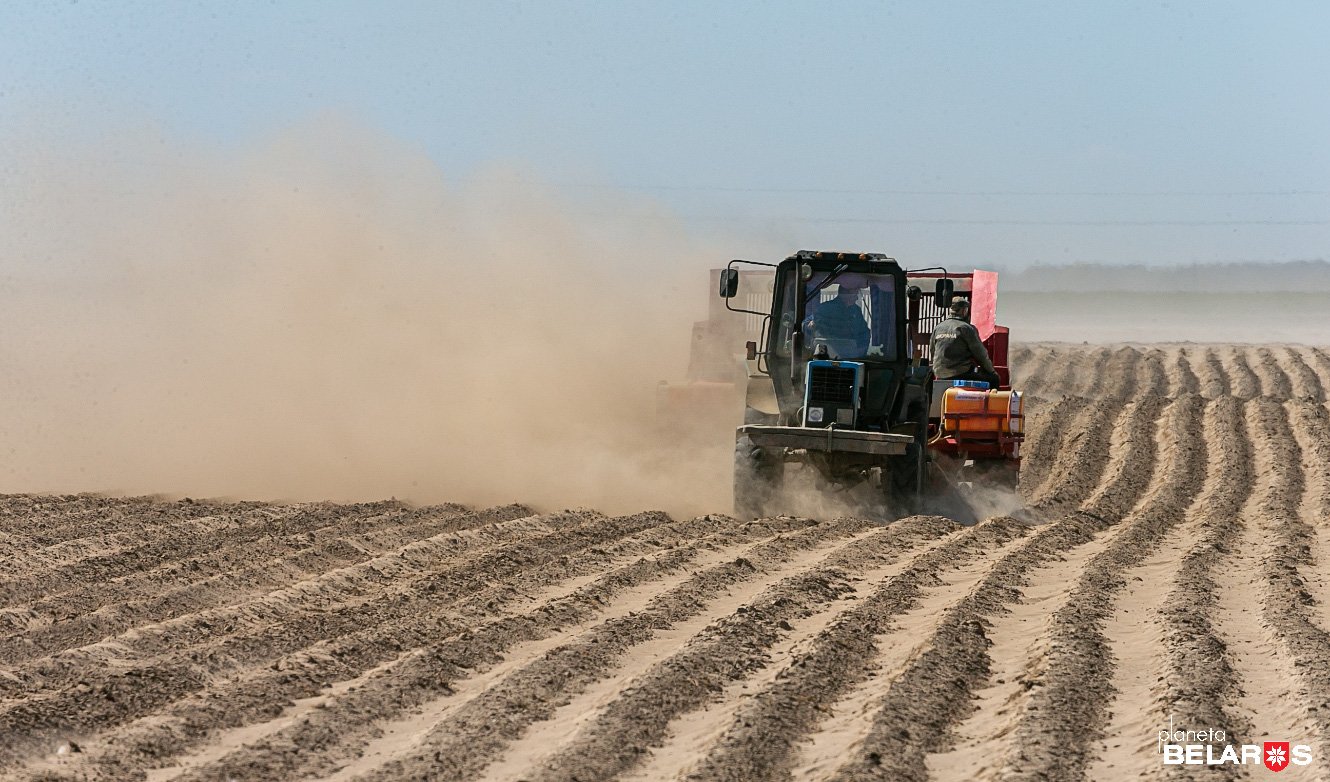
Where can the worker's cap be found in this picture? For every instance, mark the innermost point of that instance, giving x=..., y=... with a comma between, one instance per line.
x=848, y=287
x=960, y=306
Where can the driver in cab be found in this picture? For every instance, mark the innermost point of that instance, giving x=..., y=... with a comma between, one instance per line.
x=840, y=324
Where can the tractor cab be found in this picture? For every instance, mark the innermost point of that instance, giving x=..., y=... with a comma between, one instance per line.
x=836, y=347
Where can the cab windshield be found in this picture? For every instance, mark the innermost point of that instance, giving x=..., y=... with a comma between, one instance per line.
x=853, y=314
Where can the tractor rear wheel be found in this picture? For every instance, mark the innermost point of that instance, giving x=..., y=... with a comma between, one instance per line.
x=906, y=478
x=903, y=481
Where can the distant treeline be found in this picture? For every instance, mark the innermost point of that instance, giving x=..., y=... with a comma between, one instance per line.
x=1282, y=276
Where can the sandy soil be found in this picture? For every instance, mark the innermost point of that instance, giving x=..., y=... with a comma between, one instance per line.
x=1179, y=571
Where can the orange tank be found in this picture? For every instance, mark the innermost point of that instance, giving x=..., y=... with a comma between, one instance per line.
x=971, y=410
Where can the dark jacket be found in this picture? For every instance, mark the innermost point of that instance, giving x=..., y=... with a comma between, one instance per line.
x=955, y=349
x=842, y=326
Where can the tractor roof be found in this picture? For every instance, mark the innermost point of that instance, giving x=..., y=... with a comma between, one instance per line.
x=832, y=255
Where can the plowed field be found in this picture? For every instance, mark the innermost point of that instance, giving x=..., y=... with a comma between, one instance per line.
x=1180, y=569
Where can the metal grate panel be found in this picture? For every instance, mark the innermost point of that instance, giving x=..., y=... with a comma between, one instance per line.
x=831, y=385
x=930, y=314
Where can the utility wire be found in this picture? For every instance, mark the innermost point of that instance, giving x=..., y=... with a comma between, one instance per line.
x=870, y=191
x=926, y=221
x=1202, y=223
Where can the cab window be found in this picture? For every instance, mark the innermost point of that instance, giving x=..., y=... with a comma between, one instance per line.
x=853, y=314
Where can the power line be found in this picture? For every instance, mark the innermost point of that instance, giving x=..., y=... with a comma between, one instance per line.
x=1004, y=193
x=925, y=221
x=908, y=221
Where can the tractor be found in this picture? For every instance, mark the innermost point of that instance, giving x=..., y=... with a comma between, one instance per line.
x=844, y=387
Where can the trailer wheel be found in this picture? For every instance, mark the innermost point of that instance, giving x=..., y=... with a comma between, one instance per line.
x=758, y=474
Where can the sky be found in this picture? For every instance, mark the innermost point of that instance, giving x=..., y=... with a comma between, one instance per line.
x=962, y=132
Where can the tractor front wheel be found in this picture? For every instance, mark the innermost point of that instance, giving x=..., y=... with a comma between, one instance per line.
x=758, y=474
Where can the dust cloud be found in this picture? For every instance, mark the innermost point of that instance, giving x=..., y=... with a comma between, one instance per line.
x=326, y=316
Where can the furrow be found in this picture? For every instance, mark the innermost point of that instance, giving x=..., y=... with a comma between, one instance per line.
x=1201, y=682
x=373, y=528
x=1306, y=383
x=43, y=544
x=1037, y=420
x=1132, y=453
x=1181, y=378
x=250, y=698
x=1068, y=711
x=1286, y=514
x=1313, y=432
x=1243, y=382
x=921, y=715
x=251, y=701
x=1319, y=361
x=221, y=578
x=1081, y=458
x=1110, y=475
x=611, y=725
x=1138, y=630
x=617, y=739
x=388, y=617
x=21, y=512
x=761, y=742
x=1086, y=375
x=90, y=560
x=1215, y=382
x=1020, y=646
x=1030, y=372
x=1117, y=375
x=1058, y=376
x=1275, y=382
x=630, y=584
x=100, y=558
x=924, y=706
x=220, y=636
x=322, y=744
x=1061, y=435
x=1018, y=649
x=692, y=734
x=1153, y=379
x=1270, y=703
x=1151, y=374
x=43, y=522
x=1045, y=441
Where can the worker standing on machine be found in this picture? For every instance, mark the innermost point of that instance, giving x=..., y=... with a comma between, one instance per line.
x=957, y=353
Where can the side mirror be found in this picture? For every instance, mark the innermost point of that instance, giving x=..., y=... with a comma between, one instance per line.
x=751, y=350
x=729, y=283
x=913, y=293
x=943, y=291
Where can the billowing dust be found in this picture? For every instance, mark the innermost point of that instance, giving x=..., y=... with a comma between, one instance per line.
x=328, y=316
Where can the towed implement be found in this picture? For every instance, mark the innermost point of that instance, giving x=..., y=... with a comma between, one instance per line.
x=842, y=384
